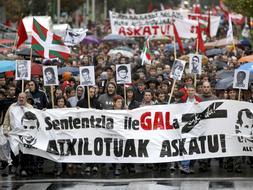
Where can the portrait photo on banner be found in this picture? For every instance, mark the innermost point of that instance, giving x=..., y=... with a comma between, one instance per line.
x=87, y=76
x=195, y=64
x=177, y=69
x=241, y=79
x=50, y=75
x=123, y=74
x=23, y=70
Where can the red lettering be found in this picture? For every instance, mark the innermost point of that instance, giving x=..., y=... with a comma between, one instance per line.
x=167, y=121
x=158, y=121
x=146, y=122
x=155, y=29
x=137, y=31
x=129, y=31
x=146, y=30
x=165, y=29
x=122, y=31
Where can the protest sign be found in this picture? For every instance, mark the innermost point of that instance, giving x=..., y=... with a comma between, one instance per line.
x=151, y=134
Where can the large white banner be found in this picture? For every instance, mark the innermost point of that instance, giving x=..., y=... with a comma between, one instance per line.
x=153, y=134
x=159, y=23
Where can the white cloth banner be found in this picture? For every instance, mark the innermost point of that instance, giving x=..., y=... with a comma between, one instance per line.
x=159, y=23
x=152, y=134
x=74, y=36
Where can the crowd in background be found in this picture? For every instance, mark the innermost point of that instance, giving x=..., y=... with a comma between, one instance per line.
x=151, y=85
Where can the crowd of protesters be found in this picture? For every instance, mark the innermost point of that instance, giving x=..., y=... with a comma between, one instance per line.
x=151, y=85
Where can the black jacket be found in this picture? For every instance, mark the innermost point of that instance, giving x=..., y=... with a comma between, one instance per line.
x=83, y=103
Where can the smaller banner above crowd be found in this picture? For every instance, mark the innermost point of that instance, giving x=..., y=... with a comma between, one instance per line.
x=160, y=23
x=151, y=134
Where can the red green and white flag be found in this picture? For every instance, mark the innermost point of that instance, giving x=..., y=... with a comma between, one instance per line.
x=146, y=53
x=47, y=44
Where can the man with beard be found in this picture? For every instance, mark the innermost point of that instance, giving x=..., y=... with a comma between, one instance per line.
x=106, y=99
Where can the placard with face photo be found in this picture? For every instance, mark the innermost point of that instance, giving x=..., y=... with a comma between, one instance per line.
x=50, y=75
x=87, y=76
x=241, y=79
x=23, y=70
x=195, y=64
x=123, y=74
x=177, y=69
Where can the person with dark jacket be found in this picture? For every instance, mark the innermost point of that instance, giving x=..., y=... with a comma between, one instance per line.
x=83, y=103
x=131, y=103
x=39, y=96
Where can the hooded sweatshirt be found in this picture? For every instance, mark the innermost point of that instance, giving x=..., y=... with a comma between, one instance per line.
x=73, y=100
x=39, y=97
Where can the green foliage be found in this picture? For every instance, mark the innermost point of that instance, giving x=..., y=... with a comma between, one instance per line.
x=245, y=7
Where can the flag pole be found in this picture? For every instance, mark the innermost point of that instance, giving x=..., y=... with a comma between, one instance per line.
x=52, y=95
x=23, y=85
x=197, y=51
x=239, y=95
x=175, y=51
x=172, y=90
x=88, y=94
x=15, y=43
x=125, y=95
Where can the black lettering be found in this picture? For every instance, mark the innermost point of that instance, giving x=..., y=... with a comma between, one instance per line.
x=92, y=121
x=48, y=122
x=142, y=148
x=76, y=123
x=166, y=150
x=108, y=142
x=118, y=147
x=80, y=145
x=213, y=145
x=130, y=148
x=98, y=146
x=181, y=147
x=194, y=147
x=109, y=124
x=135, y=124
x=61, y=143
x=202, y=140
x=86, y=150
x=71, y=147
x=56, y=124
x=174, y=145
x=52, y=147
x=223, y=142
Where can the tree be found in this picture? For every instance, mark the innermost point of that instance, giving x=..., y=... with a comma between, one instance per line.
x=244, y=7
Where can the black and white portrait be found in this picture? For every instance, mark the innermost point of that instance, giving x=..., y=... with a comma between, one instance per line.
x=50, y=75
x=31, y=125
x=87, y=76
x=195, y=64
x=241, y=79
x=123, y=73
x=23, y=70
x=177, y=69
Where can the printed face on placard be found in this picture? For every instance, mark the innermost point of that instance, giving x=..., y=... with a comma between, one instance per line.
x=87, y=77
x=241, y=79
x=123, y=73
x=30, y=125
x=177, y=69
x=195, y=64
x=23, y=70
x=50, y=75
